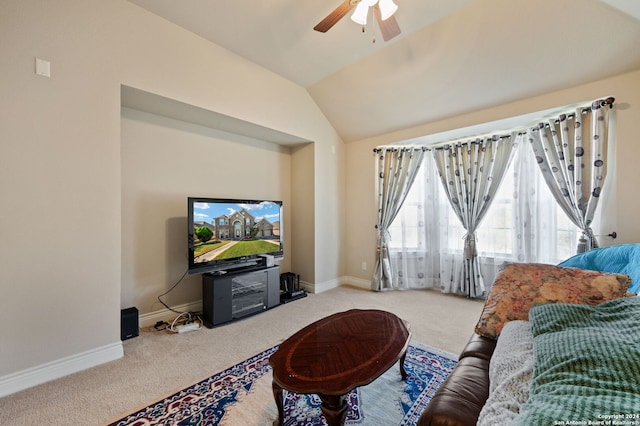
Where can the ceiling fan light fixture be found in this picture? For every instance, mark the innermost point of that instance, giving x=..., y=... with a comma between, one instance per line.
x=387, y=9
x=360, y=14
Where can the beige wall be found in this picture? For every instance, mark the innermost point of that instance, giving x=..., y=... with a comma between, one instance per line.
x=60, y=169
x=302, y=186
x=330, y=231
x=619, y=210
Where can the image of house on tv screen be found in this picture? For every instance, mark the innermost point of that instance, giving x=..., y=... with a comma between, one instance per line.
x=231, y=230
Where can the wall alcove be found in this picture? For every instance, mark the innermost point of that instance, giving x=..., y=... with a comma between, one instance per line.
x=171, y=150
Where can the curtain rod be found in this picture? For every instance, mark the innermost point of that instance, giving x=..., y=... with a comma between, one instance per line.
x=596, y=104
x=445, y=145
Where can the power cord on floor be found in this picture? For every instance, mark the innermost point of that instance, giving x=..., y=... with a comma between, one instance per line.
x=186, y=321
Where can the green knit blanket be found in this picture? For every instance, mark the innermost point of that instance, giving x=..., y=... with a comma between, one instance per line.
x=587, y=365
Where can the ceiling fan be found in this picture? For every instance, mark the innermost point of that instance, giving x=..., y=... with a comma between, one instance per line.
x=383, y=10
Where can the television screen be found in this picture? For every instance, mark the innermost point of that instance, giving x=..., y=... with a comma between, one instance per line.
x=227, y=234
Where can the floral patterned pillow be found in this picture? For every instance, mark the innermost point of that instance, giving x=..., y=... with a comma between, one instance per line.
x=519, y=286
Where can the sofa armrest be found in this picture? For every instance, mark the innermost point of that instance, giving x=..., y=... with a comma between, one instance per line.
x=479, y=346
x=461, y=397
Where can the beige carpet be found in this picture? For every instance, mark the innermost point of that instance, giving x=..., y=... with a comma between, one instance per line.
x=156, y=364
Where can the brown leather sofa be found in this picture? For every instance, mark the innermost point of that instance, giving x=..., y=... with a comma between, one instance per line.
x=461, y=397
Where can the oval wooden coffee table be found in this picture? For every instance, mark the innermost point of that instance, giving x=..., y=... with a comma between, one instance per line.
x=336, y=354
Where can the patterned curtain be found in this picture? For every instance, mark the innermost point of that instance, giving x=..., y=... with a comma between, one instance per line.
x=571, y=151
x=471, y=174
x=396, y=169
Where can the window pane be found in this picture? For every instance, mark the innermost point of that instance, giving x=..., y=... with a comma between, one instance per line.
x=567, y=235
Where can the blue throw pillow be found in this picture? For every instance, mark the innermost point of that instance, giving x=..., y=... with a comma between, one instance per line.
x=620, y=259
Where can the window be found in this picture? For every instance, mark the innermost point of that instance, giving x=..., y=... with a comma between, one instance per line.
x=523, y=223
x=426, y=217
x=567, y=234
x=495, y=233
x=405, y=230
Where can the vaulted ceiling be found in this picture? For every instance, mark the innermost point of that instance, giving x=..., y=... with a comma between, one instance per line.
x=452, y=57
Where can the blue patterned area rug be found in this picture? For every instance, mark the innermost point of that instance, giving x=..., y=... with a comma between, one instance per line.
x=242, y=395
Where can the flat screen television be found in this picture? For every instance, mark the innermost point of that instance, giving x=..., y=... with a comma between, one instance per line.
x=232, y=233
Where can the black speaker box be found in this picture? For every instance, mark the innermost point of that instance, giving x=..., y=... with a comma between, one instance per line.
x=128, y=323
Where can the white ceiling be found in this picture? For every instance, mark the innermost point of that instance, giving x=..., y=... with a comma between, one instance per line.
x=452, y=57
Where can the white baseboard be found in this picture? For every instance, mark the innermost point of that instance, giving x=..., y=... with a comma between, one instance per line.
x=356, y=282
x=151, y=318
x=21, y=380
x=328, y=285
x=308, y=287
x=325, y=285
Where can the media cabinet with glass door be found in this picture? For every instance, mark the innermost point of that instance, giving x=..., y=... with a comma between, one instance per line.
x=235, y=295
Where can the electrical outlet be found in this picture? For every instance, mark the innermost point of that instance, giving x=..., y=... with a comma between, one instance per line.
x=364, y=266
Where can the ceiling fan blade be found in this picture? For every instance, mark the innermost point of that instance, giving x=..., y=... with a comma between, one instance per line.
x=389, y=27
x=337, y=14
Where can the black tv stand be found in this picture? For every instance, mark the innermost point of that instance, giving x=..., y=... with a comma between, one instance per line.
x=239, y=293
